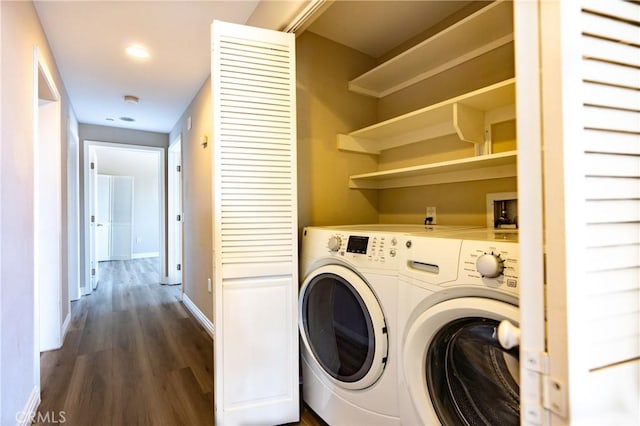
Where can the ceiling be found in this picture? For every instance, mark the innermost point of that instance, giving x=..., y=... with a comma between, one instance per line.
x=375, y=27
x=88, y=40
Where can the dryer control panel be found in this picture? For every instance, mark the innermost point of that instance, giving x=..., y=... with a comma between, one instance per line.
x=493, y=263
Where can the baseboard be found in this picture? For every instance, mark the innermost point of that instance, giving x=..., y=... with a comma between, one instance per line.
x=145, y=255
x=29, y=412
x=65, y=328
x=202, y=318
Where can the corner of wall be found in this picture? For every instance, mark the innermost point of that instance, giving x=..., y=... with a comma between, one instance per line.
x=197, y=204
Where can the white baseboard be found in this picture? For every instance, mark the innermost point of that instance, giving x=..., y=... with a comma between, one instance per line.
x=145, y=254
x=202, y=318
x=65, y=328
x=29, y=411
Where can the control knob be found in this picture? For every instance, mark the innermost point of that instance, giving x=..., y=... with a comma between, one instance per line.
x=334, y=243
x=490, y=265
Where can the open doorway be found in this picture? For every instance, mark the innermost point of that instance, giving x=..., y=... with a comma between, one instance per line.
x=124, y=206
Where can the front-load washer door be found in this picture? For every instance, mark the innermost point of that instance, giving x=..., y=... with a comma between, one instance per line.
x=457, y=371
x=342, y=326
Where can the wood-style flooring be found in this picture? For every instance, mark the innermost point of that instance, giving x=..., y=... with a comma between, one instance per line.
x=133, y=355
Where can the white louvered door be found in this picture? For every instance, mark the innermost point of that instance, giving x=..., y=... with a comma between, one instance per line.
x=255, y=226
x=590, y=121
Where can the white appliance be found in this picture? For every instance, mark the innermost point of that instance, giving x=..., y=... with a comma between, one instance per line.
x=456, y=290
x=347, y=320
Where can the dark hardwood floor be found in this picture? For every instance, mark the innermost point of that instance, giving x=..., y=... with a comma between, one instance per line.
x=133, y=355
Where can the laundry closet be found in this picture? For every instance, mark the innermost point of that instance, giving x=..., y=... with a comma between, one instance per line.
x=534, y=98
x=560, y=81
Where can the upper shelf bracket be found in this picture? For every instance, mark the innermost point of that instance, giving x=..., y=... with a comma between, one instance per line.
x=469, y=123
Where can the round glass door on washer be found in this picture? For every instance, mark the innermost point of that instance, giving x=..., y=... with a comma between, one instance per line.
x=461, y=375
x=343, y=327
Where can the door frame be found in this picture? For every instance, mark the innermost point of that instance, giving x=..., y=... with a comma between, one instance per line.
x=73, y=212
x=48, y=208
x=174, y=208
x=90, y=145
x=533, y=344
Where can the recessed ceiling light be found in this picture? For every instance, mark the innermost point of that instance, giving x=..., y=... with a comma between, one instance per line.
x=129, y=119
x=137, y=51
x=109, y=119
x=131, y=99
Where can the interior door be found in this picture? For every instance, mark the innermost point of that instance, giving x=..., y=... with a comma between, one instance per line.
x=255, y=238
x=103, y=218
x=121, y=217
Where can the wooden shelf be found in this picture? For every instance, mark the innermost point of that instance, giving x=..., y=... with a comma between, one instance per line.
x=468, y=116
x=491, y=166
x=477, y=34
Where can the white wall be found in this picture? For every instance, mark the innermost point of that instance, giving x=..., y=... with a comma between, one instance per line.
x=143, y=166
x=21, y=31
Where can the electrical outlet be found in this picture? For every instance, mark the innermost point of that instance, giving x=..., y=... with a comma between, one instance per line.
x=431, y=213
x=209, y=284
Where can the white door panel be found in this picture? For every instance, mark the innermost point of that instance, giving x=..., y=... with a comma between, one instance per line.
x=254, y=193
x=103, y=218
x=583, y=349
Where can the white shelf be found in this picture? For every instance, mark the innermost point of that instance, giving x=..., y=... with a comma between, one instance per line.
x=477, y=34
x=491, y=166
x=468, y=116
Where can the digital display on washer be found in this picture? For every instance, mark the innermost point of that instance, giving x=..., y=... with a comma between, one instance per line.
x=357, y=244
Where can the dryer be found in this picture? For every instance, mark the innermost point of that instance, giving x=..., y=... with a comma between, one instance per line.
x=347, y=321
x=456, y=294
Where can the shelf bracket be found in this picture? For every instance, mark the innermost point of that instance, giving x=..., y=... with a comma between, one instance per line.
x=469, y=123
x=354, y=144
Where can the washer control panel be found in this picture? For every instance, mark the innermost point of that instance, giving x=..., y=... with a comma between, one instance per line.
x=368, y=248
x=494, y=263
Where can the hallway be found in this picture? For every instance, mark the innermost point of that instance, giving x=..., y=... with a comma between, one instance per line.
x=132, y=355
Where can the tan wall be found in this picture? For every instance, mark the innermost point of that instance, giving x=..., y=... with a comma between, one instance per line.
x=326, y=108
x=456, y=203
x=21, y=32
x=196, y=196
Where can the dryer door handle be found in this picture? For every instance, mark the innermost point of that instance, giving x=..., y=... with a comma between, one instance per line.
x=508, y=335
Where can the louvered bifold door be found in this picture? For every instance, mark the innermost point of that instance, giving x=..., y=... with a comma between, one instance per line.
x=601, y=146
x=255, y=225
x=611, y=102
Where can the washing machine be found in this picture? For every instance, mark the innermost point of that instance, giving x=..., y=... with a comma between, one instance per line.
x=458, y=317
x=347, y=321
